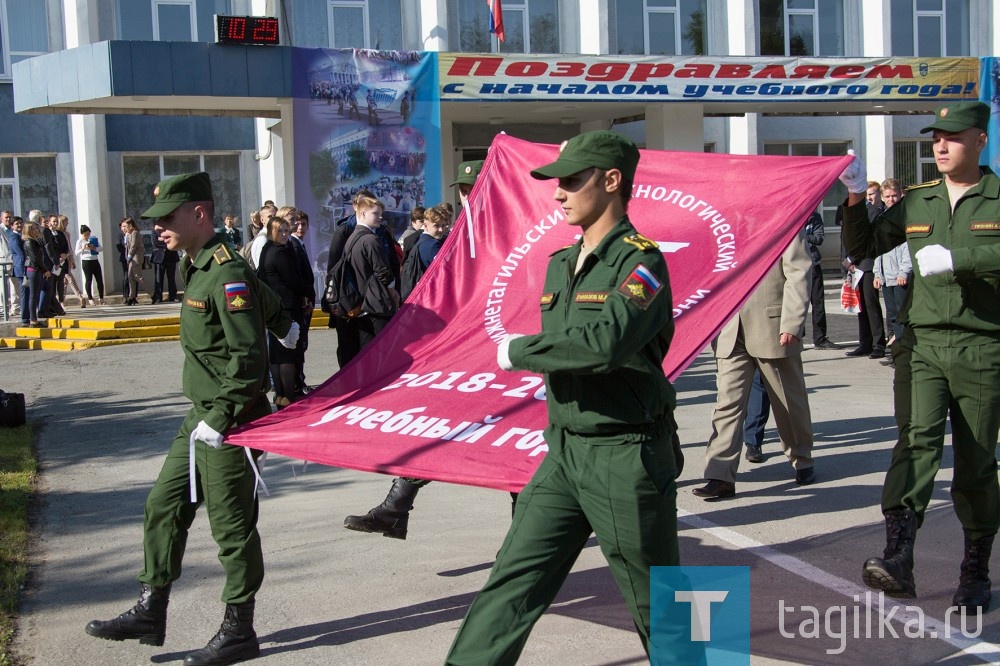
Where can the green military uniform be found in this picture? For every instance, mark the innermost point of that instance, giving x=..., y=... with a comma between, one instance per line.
x=223, y=321
x=610, y=468
x=953, y=346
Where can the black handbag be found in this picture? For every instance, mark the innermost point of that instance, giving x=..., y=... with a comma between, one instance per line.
x=12, y=409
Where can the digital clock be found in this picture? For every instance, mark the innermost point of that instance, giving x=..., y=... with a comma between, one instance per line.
x=260, y=30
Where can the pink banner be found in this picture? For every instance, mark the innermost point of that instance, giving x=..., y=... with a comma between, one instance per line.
x=427, y=399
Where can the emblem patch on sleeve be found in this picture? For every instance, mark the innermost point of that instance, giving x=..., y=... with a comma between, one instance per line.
x=641, y=286
x=237, y=297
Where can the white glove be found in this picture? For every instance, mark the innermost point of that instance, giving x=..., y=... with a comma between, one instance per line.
x=855, y=176
x=292, y=337
x=934, y=260
x=206, y=433
x=503, y=351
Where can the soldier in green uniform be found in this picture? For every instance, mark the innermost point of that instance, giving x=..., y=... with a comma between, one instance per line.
x=952, y=343
x=223, y=320
x=606, y=326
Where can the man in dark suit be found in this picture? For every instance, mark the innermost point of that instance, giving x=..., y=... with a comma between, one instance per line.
x=297, y=241
x=123, y=261
x=871, y=325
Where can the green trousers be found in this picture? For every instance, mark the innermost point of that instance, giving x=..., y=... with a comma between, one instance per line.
x=225, y=483
x=623, y=491
x=932, y=384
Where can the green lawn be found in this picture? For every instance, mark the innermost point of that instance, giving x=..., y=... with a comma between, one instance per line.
x=17, y=484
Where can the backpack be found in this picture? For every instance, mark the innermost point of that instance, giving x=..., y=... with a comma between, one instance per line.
x=342, y=296
x=247, y=256
x=413, y=269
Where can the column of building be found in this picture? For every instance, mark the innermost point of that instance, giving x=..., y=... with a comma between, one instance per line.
x=88, y=148
x=876, y=40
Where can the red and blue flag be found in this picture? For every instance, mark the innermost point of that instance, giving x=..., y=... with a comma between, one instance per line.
x=496, y=18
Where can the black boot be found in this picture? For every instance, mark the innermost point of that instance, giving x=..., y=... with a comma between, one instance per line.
x=893, y=572
x=391, y=516
x=974, y=582
x=146, y=621
x=235, y=641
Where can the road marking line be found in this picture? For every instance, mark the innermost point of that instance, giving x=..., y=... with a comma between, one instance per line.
x=988, y=652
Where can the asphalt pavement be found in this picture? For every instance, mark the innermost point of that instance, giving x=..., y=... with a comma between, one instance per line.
x=105, y=417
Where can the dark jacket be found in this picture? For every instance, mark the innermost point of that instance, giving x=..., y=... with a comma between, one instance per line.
x=373, y=271
x=34, y=255
x=61, y=242
x=279, y=270
x=51, y=252
x=345, y=227
x=121, y=249
x=304, y=266
x=815, y=235
x=16, y=250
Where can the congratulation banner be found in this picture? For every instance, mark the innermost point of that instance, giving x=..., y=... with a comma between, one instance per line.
x=427, y=399
x=519, y=77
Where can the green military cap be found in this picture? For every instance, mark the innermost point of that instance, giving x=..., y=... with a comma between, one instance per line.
x=177, y=190
x=601, y=149
x=960, y=116
x=468, y=172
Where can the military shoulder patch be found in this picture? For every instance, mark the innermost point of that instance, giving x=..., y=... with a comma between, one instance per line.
x=222, y=254
x=929, y=183
x=237, y=296
x=641, y=242
x=641, y=286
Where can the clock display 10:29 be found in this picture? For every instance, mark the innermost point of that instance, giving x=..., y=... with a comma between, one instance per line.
x=259, y=30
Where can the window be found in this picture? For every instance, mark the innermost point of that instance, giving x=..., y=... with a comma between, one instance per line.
x=365, y=24
x=530, y=26
x=930, y=28
x=658, y=27
x=23, y=32
x=913, y=162
x=27, y=183
x=801, y=27
x=174, y=21
x=836, y=194
x=143, y=172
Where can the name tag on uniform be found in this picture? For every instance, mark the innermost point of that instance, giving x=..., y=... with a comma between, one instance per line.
x=196, y=304
x=918, y=229
x=985, y=226
x=591, y=297
x=237, y=296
